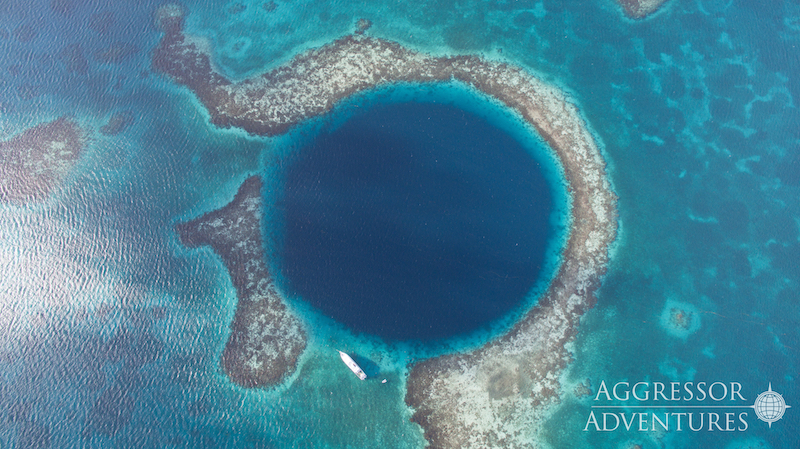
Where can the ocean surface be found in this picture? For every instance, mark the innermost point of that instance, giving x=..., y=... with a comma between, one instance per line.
x=111, y=330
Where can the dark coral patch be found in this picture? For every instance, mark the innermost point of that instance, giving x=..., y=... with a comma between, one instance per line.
x=74, y=59
x=36, y=161
x=101, y=22
x=25, y=33
x=734, y=219
x=118, y=123
x=116, y=53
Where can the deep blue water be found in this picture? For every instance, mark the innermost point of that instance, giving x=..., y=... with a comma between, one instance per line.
x=414, y=221
x=110, y=331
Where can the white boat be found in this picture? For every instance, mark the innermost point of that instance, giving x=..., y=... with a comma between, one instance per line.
x=352, y=365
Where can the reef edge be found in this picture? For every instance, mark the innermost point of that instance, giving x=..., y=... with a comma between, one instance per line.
x=266, y=339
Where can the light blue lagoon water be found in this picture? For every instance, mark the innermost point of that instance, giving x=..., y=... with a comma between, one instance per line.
x=111, y=331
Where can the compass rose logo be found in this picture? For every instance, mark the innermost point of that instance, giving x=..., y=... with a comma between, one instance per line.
x=769, y=406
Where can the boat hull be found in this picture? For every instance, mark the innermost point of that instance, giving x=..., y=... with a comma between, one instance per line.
x=352, y=365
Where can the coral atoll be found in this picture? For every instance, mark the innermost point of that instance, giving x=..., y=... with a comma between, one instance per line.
x=494, y=396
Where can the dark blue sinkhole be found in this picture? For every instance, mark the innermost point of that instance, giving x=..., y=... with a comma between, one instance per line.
x=412, y=221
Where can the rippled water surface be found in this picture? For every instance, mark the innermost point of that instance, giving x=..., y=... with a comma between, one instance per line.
x=111, y=330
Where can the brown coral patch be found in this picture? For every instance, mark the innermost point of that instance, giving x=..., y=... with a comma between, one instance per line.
x=36, y=161
x=266, y=339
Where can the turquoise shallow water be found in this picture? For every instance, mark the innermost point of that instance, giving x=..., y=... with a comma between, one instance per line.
x=112, y=330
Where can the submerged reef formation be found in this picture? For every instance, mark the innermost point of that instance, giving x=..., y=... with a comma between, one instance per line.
x=314, y=81
x=639, y=9
x=118, y=123
x=266, y=339
x=680, y=319
x=496, y=395
x=36, y=161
